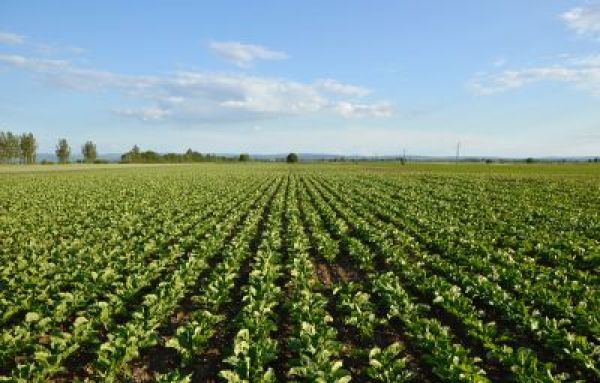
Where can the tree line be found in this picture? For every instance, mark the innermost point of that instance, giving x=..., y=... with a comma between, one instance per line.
x=22, y=149
x=136, y=155
x=63, y=151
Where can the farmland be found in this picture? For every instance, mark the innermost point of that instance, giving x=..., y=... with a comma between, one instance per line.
x=309, y=273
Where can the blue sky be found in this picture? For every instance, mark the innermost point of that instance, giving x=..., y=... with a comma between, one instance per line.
x=507, y=78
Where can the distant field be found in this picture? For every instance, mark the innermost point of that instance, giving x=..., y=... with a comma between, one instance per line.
x=540, y=169
x=327, y=272
x=69, y=167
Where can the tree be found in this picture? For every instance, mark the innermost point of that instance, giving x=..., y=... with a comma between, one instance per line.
x=244, y=157
x=189, y=155
x=291, y=158
x=28, y=148
x=17, y=148
x=63, y=151
x=135, y=151
x=3, y=148
x=10, y=147
x=13, y=147
x=150, y=156
x=131, y=156
x=89, y=151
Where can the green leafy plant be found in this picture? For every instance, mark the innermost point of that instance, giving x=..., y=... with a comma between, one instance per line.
x=388, y=365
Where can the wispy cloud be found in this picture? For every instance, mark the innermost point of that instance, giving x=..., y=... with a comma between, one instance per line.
x=583, y=76
x=582, y=72
x=11, y=38
x=199, y=96
x=36, y=64
x=53, y=49
x=205, y=96
x=583, y=20
x=43, y=48
x=336, y=87
x=244, y=55
x=64, y=74
x=144, y=114
x=352, y=110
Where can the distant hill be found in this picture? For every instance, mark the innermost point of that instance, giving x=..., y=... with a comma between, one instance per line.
x=330, y=157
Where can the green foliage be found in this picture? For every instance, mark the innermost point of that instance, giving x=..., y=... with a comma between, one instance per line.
x=485, y=277
x=291, y=158
x=388, y=365
x=249, y=359
x=135, y=155
x=357, y=307
x=89, y=152
x=15, y=148
x=63, y=151
x=194, y=336
x=173, y=377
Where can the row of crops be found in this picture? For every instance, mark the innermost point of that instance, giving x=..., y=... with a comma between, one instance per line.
x=310, y=274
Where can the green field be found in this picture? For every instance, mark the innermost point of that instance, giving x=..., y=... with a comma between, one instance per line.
x=362, y=272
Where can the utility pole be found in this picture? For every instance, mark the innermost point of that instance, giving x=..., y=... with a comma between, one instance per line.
x=457, y=151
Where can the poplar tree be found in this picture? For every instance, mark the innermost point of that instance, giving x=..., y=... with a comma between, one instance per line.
x=63, y=151
x=28, y=148
x=89, y=151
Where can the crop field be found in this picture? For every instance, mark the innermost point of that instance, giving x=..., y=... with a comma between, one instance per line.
x=306, y=273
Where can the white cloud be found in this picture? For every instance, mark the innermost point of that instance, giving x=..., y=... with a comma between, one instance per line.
x=244, y=55
x=35, y=64
x=582, y=72
x=197, y=96
x=11, y=38
x=583, y=20
x=51, y=49
x=47, y=49
x=63, y=73
x=351, y=110
x=145, y=114
x=585, y=61
x=335, y=87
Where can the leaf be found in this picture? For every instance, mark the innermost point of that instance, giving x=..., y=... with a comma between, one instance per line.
x=79, y=321
x=32, y=317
